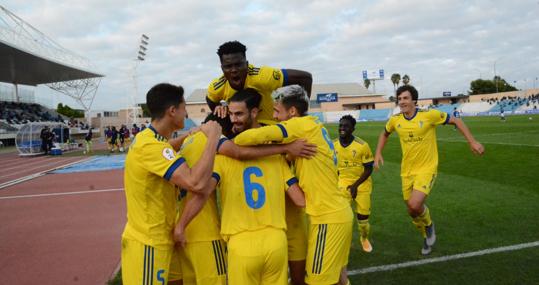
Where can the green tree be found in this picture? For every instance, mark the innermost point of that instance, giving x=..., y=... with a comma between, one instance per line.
x=395, y=79
x=367, y=83
x=69, y=112
x=406, y=79
x=482, y=86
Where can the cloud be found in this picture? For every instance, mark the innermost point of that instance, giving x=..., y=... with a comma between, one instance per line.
x=441, y=45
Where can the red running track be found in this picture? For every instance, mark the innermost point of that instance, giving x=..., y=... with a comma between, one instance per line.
x=62, y=228
x=13, y=166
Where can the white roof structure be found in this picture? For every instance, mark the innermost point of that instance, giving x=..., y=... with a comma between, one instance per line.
x=29, y=57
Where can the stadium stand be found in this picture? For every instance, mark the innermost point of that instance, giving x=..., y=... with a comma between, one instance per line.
x=474, y=108
x=16, y=113
x=374, y=115
x=448, y=108
x=335, y=116
x=319, y=115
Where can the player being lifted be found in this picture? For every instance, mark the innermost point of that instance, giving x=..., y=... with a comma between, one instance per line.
x=355, y=168
x=152, y=171
x=238, y=74
x=417, y=132
x=328, y=209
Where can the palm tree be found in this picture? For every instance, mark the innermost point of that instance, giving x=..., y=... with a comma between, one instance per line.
x=367, y=83
x=395, y=78
x=406, y=79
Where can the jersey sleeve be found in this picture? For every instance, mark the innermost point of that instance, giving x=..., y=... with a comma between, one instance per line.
x=160, y=159
x=218, y=168
x=270, y=78
x=437, y=117
x=390, y=125
x=216, y=89
x=288, y=176
x=366, y=155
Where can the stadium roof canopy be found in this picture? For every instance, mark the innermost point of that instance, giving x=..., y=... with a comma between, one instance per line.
x=29, y=57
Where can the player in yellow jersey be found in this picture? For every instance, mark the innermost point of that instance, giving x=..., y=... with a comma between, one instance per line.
x=417, y=132
x=355, y=168
x=243, y=111
x=152, y=170
x=238, y=74
x=328, y=209
x=253, y=212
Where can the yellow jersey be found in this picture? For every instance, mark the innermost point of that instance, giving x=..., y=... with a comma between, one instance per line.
x=252, y=193
x=263, y=79
x=352, y=161
x=205, y=225
x=318, y=175
x=151, y=198
x=418, y=140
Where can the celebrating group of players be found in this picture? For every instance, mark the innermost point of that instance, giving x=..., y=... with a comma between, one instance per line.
x=254, y=196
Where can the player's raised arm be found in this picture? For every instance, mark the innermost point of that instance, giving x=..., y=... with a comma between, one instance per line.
x=275, y=133
x=196, y=178
x=298, y=148
x=475, y=146
x=300, y=77
x=382, y=140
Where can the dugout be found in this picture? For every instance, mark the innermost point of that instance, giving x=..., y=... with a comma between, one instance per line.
x=28, y=139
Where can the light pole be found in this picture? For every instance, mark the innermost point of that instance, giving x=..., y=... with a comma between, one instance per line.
x=141, y=56
x=495, y=76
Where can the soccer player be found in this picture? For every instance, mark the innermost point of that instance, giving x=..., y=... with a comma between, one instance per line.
x=417, y=132
x=152, y=170
x=253, y=212
x=238, y=74
x=327, y=208
x=244, y=110
x=355, y=168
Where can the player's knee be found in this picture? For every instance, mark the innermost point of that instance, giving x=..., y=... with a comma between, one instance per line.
x=414, y=208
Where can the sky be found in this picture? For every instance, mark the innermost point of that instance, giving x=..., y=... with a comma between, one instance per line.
x=442, y=45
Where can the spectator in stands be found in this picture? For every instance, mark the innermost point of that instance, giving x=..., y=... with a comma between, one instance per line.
x=88, y=141
x=417, y=132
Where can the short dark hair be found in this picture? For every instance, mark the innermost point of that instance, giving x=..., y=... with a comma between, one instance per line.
x=226, y=124
x=408, y=88
x=293, y=96
x=250, y=96
x=230, y=48
x=350, y=119
x=161, y=97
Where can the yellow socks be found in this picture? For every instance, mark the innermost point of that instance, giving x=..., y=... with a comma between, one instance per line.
x=423, y=221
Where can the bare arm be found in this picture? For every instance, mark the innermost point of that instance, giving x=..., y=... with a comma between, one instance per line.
x=297, y=148
x=364, y=176
x=382, y=140
x=177, y=142
x=195, y=179
x=217, y=109
x=296, y=195
x=475, y=146
x=193, y=206
x=300, y=77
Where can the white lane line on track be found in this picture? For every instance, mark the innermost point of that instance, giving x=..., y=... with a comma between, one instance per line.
x=41, y=173
x=38, y=167
x=60, y=194
x=389, y=267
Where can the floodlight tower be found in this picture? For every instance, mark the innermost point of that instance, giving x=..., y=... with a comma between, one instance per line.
x=141, y=56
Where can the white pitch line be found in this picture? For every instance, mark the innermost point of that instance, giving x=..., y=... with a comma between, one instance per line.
x=60, y=194
x=442, y=258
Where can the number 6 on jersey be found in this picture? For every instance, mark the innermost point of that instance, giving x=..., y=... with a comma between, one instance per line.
x=254, y=199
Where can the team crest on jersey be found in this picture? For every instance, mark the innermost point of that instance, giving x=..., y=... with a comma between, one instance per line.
x=169, y=154
x=276, y=75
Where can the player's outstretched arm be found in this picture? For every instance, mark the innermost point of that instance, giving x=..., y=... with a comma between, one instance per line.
x=177, y=142
x=378, y=158
x=260, y=135
x=195, y=179
x=302, y=78
x=194, y=204
x=475, y=146
x=296, y=195
x=299, y=148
